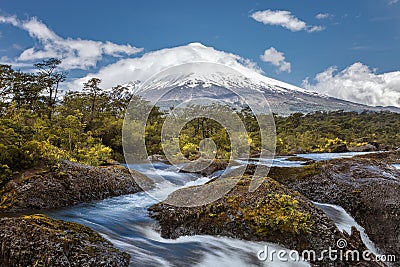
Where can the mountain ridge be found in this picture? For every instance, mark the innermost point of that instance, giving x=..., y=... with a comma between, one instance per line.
x=202, y=79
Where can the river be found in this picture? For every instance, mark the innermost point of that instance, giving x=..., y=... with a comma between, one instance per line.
x=125, y=222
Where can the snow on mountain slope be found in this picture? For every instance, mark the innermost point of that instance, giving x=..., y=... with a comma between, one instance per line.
x=282, y=97
x=151, y=63
x=196, y=80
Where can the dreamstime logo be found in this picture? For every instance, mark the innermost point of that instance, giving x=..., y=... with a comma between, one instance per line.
x=339, y=253
x=197, y=92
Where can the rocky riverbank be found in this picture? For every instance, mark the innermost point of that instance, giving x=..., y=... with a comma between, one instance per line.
x=272, y=213
x=281, y=209
x=365, y=186
x=66, y=184
x=38, y=240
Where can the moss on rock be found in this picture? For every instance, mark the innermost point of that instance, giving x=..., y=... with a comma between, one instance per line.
x=37, y=240
x=366, y=186
x=67, y=183
x=271, y=213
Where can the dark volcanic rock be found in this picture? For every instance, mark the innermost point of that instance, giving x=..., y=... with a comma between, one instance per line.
x=305, y=161
x=205, y=167
x=297, y=158
x=67, y=184
x=339, y=148
x=364, y=148
x=365, y=186
x=272, y=213
x=38, y=240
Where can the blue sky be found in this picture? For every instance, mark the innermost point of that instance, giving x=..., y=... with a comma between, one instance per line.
x=296, y=41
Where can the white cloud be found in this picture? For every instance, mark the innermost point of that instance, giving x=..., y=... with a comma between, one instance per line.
x=392, y=2
x=142, y=68
x=277, y=59
x=75, y=53
x=323, y=16
x=358, y=83
x=316, y=29
x=284, y=19
x=9, y=20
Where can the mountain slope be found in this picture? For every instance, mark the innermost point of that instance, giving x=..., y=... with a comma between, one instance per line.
x=196, y=80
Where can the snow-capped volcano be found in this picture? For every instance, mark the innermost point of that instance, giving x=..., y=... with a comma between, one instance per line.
x=206, y=74
x=200, y=79
x=197, y=80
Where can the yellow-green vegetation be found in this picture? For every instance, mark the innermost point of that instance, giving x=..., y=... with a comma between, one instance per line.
x=274, y=212
x=270, y=209
x=311, y=133
x=66, y=231
x=7, y=200
x=38, y=240
x=271, y=212
x=5, y=174
x=279, y=212
x=36, y=126
x=323, y=131
x=85, y=125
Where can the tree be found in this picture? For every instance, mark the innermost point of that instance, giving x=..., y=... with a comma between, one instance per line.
x=93, y=89
x=19, y=87
x=6, y=84
x=50, y=79
x=26, y=91
x=119, y=100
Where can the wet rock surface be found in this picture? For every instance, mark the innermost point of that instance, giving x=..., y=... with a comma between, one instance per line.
x=363, y=148
x=272, y=213
x=367, y=187
x=38, y=240
x=204, y=167
x=67, y=184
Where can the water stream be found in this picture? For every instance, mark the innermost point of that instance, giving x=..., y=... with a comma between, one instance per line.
x=125, y=222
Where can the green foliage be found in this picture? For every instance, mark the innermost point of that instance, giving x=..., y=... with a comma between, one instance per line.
x=49, y=79
x=86, y=126
x=94, y=155
x=34, y=127
x=26, y=140
x=280, y=212
x=5, y=174
x=323, y=131
x=274, y=212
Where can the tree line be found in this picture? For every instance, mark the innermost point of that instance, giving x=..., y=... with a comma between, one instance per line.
x=38, y=123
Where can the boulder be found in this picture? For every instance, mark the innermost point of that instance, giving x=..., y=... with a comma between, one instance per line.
x=367, y=187
x=363, y=148
x=37, y=240
x=66, y=184
x=204, y=167
x=339, y=148
x=272, y=213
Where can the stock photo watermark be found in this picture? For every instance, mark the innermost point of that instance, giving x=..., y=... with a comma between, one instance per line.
x=182, y=104
x=339, y=253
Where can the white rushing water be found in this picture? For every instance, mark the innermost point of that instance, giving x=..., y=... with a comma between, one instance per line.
x=125, y=222
x=397, y=166
x=344, y=222
x=327, y=156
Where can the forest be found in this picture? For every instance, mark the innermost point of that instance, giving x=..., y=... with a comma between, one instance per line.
x=39, y=123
